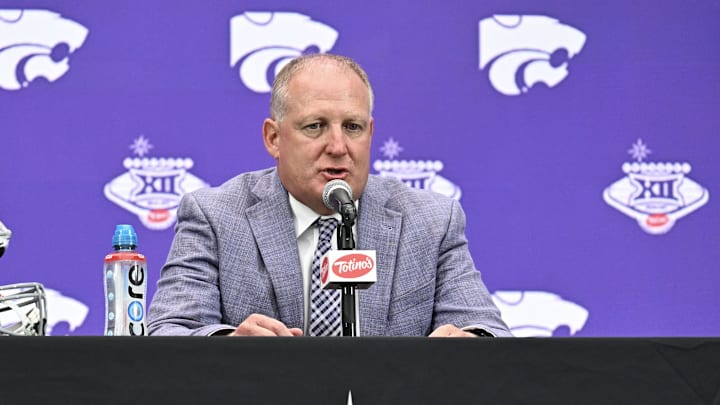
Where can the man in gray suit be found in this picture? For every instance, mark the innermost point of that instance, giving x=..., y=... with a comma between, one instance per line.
x=240, y=263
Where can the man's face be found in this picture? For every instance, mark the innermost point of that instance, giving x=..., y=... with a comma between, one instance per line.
x=324, y=135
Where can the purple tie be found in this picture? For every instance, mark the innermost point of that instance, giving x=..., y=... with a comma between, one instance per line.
x=324, y=304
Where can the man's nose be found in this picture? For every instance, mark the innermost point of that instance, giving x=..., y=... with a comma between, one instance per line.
x=336, y=141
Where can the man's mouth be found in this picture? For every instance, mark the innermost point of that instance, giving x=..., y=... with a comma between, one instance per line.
x=335, y=173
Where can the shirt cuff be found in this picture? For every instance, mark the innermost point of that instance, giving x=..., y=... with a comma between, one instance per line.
x=480, y=332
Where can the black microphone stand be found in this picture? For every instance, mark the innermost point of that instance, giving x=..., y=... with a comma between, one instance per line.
x=345, y=241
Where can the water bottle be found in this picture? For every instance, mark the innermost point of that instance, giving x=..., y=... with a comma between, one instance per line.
x=125, y=285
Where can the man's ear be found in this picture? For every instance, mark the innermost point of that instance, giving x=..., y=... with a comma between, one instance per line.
x=271, y=137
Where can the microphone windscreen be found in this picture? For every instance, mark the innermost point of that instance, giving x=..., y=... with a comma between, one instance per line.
x=330, y=187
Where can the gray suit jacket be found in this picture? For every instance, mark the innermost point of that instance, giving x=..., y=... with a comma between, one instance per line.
x=235, y=254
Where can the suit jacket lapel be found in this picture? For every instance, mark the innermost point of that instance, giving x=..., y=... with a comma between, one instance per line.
x=379, y=230
x=272, y=225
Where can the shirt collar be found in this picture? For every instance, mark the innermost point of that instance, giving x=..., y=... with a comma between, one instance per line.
x=304, y=216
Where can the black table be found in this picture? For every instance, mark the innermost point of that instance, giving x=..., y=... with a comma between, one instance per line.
x=211, y=370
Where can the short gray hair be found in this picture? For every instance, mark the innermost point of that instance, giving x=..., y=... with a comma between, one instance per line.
x=278, y=97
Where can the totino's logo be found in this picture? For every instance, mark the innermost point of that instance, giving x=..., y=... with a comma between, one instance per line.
x=519, y=51
x=262, y=43
x=655, y=194
x=353, y=265
x=36, y=44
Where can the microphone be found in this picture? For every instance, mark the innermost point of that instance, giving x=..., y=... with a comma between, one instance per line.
x=337, y=196
x=346, y=269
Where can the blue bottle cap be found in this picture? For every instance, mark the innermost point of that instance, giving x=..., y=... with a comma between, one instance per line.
x=124, y=236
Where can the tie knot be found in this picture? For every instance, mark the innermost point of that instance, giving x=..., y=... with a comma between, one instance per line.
x=326, y=226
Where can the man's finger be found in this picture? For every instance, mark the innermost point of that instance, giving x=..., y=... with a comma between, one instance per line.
x=262, y=325
x=273, y=325
x=450, y=331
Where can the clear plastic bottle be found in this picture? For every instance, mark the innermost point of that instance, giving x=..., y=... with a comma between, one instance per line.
x=125, y=285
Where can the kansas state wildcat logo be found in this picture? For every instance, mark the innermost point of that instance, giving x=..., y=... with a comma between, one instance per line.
x=35, y=44
x=415, y=173
x=262, y=43
x=656, y=194
x=539, y=313
x=152, y=187
x=64, y=314
x=520, y=51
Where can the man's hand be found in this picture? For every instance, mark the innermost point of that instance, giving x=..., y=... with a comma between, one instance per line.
x=261, y=325
x=450, y=331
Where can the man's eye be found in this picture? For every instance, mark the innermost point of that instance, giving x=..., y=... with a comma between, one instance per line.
x=353, y=126
x=314, y=129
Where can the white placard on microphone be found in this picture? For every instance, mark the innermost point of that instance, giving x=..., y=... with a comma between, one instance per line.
x=348, y=267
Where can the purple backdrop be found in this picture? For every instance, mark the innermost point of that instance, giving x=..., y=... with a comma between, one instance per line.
x=532, y=118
